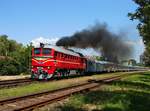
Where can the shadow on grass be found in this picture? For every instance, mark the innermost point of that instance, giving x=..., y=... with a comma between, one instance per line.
x=126, y=100
x=111, y=109
x=145, y=77
x=117, y=100
x=70, y=108
x=130, y=84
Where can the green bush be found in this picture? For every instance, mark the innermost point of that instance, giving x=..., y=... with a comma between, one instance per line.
x=14, y=57
x=9, y=67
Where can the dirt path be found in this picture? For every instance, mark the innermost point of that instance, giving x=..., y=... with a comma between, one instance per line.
x=13, y=77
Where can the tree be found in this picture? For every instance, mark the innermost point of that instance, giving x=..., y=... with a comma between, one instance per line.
x=8, y=66
x=4, y=45
x=142, y=14
x=14, y=57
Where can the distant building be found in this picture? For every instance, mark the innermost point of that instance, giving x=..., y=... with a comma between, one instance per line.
x=130, y=62
x=142, y=59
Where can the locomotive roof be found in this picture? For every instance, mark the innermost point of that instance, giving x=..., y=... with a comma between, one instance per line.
x=62, y=50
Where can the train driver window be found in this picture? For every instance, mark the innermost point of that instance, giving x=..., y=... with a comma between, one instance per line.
x=37, y=51
x=46, y=51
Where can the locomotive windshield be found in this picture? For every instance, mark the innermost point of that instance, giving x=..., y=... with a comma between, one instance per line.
x=46, y=51
x=43, y=51
x=36, y=51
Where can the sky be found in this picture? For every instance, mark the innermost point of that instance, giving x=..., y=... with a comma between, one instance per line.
x=27, y=20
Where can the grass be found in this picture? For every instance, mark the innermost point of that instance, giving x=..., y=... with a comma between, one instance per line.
x=129, y=94
x=38, y=87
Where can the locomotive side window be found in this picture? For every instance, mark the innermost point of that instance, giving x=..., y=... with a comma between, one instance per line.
x=61, y=55
x=46, y=51
x=55, y=54
x=36, y=51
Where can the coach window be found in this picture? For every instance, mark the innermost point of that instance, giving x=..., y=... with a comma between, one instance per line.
x=46, y=51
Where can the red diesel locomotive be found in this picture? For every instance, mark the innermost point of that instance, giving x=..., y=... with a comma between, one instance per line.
x=49, y=60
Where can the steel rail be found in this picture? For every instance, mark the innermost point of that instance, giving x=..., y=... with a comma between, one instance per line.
x=32, y=101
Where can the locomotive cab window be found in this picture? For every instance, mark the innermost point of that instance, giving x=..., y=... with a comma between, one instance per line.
x=46, y=51
x=36, y=51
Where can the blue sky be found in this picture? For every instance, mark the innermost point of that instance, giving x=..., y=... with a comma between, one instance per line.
x=25, y=20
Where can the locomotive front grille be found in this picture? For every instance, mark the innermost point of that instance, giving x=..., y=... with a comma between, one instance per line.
x=40, y=70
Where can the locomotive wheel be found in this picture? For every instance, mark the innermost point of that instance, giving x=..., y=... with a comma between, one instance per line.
x=49, y=76
x=66, y=73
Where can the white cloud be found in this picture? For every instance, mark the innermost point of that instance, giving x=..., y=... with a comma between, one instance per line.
x=36, y=42
x=87, y=51
x=138, y=46
x=138, y=42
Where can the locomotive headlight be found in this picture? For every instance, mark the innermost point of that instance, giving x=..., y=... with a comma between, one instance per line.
x=48, y=67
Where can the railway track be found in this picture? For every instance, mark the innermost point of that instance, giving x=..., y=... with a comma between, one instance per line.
x=32, y=101
x=15, y=82
x=19, y=82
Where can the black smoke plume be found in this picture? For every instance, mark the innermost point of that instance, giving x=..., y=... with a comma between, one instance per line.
x=110, y=45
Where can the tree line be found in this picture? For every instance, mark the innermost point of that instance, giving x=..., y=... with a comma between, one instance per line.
x=142, y=14
x=14, y=57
